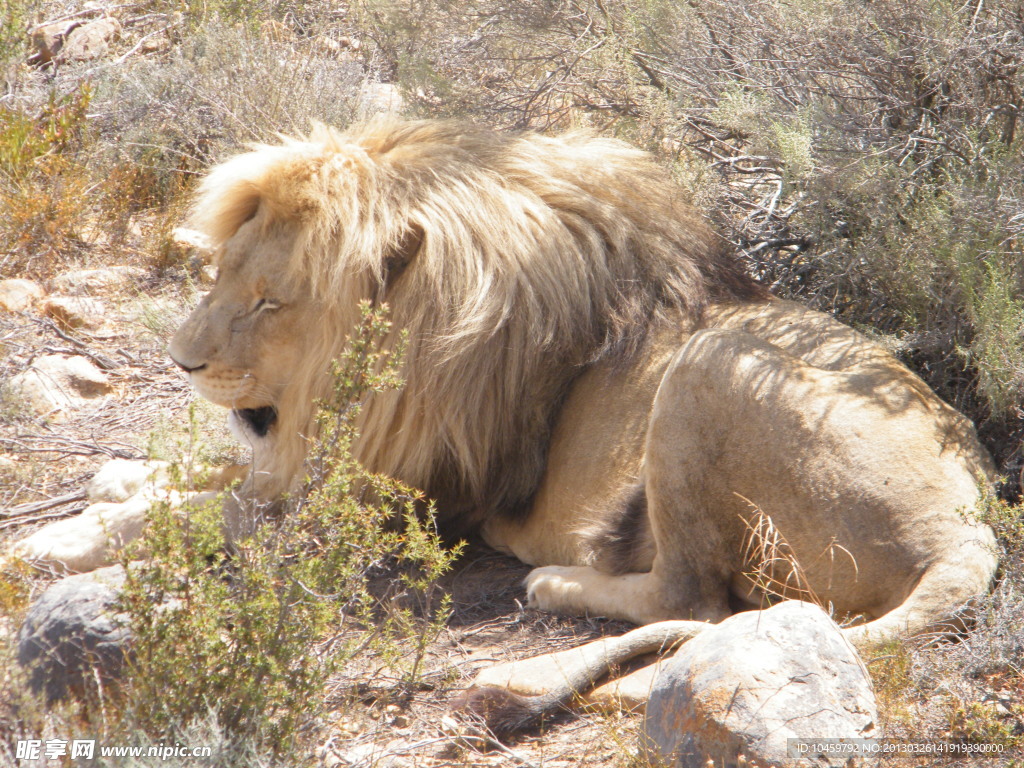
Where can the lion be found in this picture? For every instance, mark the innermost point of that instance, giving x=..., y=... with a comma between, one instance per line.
x=592, y=382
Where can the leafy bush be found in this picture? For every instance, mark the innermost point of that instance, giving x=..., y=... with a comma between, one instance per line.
x=257, y=633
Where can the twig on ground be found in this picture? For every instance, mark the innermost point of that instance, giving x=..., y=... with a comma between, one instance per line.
x=41, y=506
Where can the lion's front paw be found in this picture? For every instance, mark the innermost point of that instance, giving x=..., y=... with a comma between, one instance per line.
x=88, y=540
x=556, y=588
x=578, y=590
x=122, y=492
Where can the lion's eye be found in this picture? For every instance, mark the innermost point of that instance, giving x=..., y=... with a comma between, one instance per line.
x=266, y=305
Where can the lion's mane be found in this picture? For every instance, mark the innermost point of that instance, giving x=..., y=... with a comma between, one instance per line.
x=513, y=261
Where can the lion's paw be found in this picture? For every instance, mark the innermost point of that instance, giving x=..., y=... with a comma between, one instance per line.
x=556, y=588
x=579, y=590
x=88, y=540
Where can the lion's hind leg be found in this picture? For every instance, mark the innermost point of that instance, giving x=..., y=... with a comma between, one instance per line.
x=697, y=535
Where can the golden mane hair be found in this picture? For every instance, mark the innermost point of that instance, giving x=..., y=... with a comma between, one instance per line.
x=512, y=260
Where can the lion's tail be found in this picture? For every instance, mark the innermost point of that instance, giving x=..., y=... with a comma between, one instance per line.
x=554, y=679
x=943, y=600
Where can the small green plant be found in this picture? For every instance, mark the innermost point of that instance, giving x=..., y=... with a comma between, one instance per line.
x=14, y=21
x=980, y=722
x=890, y=667
x=15, y=588
x=259, y=631
x=13, y=404
x=26, y=139
x=1007, y=520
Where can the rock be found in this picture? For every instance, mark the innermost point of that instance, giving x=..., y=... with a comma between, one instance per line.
x=70, y=634
x=75, y=311
x=190, y=246
x=59, y=384
x=745, y=686
x=628, y=693
x=157, y=44
x=89, y=41
x=377, y=98
x=18, y=295
x=191, y=238
x=48, y=40
x=86, y=280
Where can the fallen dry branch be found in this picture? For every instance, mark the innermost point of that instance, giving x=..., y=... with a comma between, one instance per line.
x=32, y=507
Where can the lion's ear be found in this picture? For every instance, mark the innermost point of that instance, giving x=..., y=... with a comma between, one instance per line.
x=400, y=255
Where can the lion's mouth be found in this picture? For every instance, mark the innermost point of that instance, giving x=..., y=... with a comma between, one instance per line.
x=258, y=420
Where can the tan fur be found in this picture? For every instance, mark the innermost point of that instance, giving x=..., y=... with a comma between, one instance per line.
x=775, y=412
x=579, y=336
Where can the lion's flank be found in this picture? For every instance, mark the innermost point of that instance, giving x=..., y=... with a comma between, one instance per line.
x=513, y=261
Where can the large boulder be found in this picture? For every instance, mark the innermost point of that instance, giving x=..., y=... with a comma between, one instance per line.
x=71, y=634
x=740, y=691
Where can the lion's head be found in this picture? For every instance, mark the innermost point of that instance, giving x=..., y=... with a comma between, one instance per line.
x=512, y=260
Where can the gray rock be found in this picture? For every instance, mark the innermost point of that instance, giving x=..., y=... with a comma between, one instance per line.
x=747, y=685
x=84, y=281
x=18, y=295
x=75, y=311
x=71, y=634
x=57, y=385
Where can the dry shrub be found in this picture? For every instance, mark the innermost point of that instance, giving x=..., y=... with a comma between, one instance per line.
x=220, y=88
x=43, y=182
x=772, y=566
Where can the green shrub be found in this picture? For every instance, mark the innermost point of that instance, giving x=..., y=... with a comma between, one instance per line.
x=14, y=21
x=254, y=636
